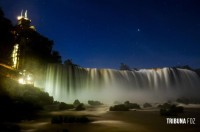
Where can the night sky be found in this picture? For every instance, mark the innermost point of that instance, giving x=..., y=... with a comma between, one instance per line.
x=105, y=33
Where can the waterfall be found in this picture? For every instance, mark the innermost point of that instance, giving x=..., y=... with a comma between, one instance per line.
x=67, y=83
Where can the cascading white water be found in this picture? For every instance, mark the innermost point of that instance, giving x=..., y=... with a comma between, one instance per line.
x=67, y=83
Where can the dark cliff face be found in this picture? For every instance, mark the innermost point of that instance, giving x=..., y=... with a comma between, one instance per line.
x=6, y=39
x=26, y=101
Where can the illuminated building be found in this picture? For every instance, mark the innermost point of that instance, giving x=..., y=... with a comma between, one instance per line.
x=21, y=41
x=31, y=51
x=15, y=57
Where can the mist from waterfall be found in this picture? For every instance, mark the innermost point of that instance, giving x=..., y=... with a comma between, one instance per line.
x=67, y=83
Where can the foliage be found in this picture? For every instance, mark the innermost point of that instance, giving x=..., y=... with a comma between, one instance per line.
x=26, y=100
x=120, y=107
x=80, y=107
x=132, y=105
x=69, y=62
x=95, y=103
x=64, y=106
x=165, y=105
x=124, y=67
x=76, y=103
x=6, y=39
x=170, y=110
x=125, y=107
x=146, y=105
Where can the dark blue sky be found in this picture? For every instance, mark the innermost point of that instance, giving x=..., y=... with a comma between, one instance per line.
x=104, y=33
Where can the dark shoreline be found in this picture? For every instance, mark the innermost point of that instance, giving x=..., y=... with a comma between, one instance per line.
x=128, y=121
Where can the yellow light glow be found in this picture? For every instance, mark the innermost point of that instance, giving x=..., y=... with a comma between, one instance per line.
x=15, y=56
x=26, y=78
x=29, y=78
x=21, y=81
x=25, y=16
x=19, y=17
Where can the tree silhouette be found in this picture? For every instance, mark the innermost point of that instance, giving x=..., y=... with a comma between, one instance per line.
x=56, y=57
x=69, y=62
x=124, y=67
x=6, y=39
